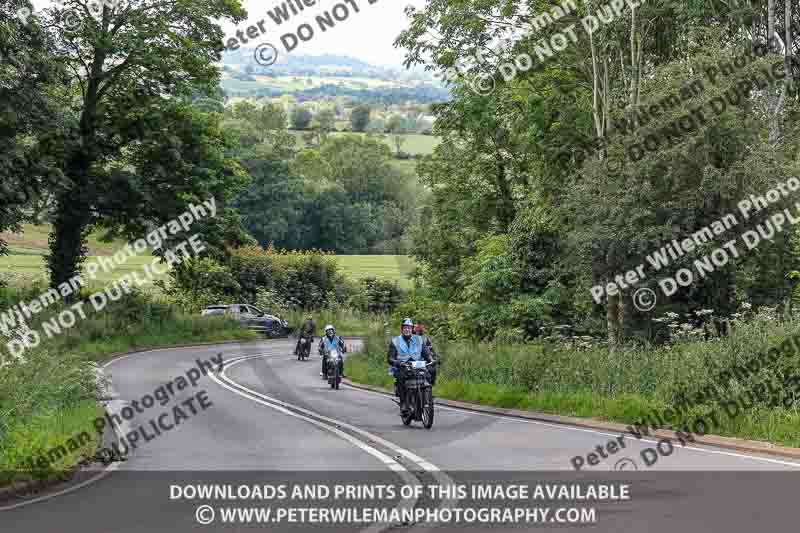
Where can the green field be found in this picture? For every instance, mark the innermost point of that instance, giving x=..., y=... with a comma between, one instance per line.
x=31, y=267
x=414, y=143
x=26, y=259
x=393, y=267
x=28, y=249
x=300, y=83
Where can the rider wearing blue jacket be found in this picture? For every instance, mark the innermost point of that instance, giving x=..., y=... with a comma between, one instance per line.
x=407, y=347
x=329, y=342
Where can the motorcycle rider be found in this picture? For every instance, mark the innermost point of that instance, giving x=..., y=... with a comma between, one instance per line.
x=308, y=331
x=419, y=330
x=402, y=348
x=331, y=342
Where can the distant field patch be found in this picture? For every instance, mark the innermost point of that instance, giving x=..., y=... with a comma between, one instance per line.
x=415, y=143
x=29, y=248
x=393, y=267
x=34, y=238
x=32, y=267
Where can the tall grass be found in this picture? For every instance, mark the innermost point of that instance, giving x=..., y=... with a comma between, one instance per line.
x=623, y=386
x=347, y=322
x=52, y=395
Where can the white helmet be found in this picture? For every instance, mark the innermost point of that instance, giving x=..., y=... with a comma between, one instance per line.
x=331, y=328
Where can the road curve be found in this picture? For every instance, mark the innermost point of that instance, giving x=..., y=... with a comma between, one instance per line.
x=271, y=419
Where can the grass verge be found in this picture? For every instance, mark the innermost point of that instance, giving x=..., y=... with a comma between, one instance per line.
x=624, y=387
x=50, y=397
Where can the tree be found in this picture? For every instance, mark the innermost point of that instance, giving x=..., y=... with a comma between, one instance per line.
x=376, y=127
x=301, y=118
x=272, y=117
x=133, y=151
x=327, y=122
x=359, y=117
x=396, y=125
x=30, y=76
x=244, y=110
x=504, y=152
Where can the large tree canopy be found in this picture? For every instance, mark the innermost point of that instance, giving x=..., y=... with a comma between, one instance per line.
x=131, y=151
x=530, y=153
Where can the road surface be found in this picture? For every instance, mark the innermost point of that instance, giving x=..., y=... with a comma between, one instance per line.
x=268, y=419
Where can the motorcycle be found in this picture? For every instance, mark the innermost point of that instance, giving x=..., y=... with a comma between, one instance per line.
x=333, y=367
x=419, y=393
x=305, y=349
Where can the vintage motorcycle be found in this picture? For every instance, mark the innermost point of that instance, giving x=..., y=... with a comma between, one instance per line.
x=334, y=368
x=418, y=393
x=305, y=349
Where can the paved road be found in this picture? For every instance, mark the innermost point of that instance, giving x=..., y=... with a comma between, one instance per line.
x=269, y=419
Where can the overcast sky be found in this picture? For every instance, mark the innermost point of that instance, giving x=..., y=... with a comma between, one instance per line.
x=367, y=35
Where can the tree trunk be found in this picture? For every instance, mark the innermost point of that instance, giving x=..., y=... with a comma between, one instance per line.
x=73, y=209
x=624, y=314
x=774, y=102
x=788, y=39
x=770, y=22
x=612, y=319
x=67, y=241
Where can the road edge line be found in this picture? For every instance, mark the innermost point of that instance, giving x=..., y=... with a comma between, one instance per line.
x=44, y=486
x=730, y=443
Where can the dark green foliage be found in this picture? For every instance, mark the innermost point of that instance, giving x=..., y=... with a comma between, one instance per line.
x=301, y=118
x=302, y=280
x=382, y=295
x=359, y=117
x=345, y=196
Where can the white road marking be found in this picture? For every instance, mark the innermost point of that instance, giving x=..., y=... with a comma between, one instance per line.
x=108, y=468
x=511, y=418
x=284, y=407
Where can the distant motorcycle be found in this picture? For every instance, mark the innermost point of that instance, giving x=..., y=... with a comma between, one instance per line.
x=418, y=393
x=334, y=368
x=305, y=349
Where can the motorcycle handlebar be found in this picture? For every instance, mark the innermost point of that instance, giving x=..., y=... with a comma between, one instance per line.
x=408, y=363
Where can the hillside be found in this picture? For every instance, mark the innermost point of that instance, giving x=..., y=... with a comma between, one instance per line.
x=318, y=77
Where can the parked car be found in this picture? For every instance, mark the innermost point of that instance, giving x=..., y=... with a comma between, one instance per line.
x=253, y=317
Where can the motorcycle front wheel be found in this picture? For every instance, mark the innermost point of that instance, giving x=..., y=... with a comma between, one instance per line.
x=334, y=377
x=427, y=408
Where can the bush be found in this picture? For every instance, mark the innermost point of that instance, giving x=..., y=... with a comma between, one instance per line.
x=382, y=295
x=299, y=279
